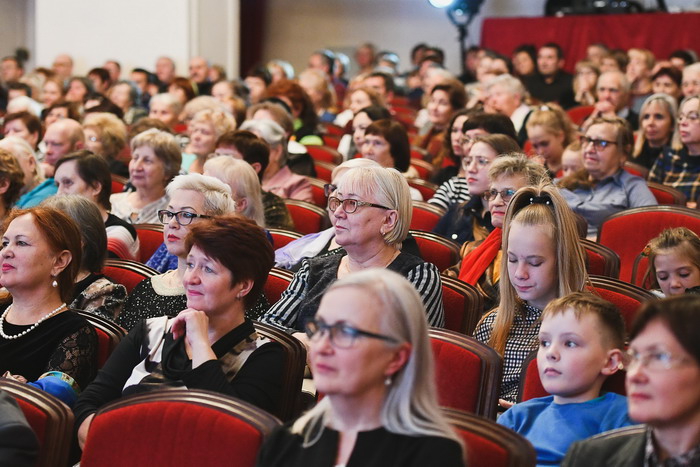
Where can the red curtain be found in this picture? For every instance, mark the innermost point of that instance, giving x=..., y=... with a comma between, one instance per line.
x=662, y=33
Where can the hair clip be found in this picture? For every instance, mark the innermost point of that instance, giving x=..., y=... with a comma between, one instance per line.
x=647, y=250
x=545, y=108
x=541, y=200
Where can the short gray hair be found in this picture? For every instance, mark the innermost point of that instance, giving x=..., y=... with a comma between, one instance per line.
x=269, y=130
x=217, y=195
x=240, y=175
x=512, y=84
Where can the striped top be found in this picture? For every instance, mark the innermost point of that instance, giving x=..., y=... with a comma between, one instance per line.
x=453, y=191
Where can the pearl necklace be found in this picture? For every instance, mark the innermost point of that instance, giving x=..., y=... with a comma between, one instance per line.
x=26, y=331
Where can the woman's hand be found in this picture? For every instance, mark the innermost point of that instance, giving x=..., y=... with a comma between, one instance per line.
x=83, y=430
x=18, y=378
x=194, y=325
x=505, y=404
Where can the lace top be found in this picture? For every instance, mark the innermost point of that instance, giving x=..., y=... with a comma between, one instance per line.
x=65, y=342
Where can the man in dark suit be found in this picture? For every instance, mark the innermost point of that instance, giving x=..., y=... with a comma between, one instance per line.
x=551, y=83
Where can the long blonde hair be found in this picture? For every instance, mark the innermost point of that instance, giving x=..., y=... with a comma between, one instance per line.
x=553, y=212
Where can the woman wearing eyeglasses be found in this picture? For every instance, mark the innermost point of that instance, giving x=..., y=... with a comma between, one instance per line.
x=679, y=165
x=210, y=344
x=370, y=355
x=191, y=198
x=605, y=188
x=663, y=377
x=372, y=211
x=155, y=160
x=470, y=220
x=481, y=260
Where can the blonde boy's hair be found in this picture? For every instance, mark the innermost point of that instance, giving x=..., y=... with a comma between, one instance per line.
x=584, y=303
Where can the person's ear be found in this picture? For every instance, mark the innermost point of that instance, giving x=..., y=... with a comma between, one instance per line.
x=4, y=185
x=400, y=358
x=241, y=205
x=245, y=287
x=391, y=218
x=79, y=145
x=95, y=189
x=613, y=363
x=61, y=262
x=257, y=166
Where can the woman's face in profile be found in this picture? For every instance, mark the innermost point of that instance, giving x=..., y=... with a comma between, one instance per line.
x=662, y=380
x=362, y=368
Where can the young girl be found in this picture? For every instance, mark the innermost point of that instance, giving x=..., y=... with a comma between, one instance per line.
x=674, y=260
x=550, y=130
x=544, y=260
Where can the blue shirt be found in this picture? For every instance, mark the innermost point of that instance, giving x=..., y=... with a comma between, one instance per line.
x=609, y=196
x=40, y=192
x=552, y=428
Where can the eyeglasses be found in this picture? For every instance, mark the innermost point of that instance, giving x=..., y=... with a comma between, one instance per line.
x=506, y=195
x=466, y=139
x=340, y=334
x=350, y=205
x=690, y=116
x=182, y=217
x=329, y=188
x=481, y=161
x=653, y=361
x=598, y=144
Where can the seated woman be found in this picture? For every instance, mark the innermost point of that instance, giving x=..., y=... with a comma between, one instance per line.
x=550, y=130
x=125, y=95
x=36, y=187
x=204, y=129
x=470, y=220
x=209, y=345
x=166, y=108
x=240, y=176
x=370, y=355
x=306, y=129
x=657, y=119
x=93, y=292
x=278, y=178
x=25, y=125
x=543, y=260
x=605, y=188
x=452, y=147
x=12, y=179
x=318, y=87
x=663, y=375
x=446, y=98
x=356, y=99
x=87, y=174
x=372, y=210
x=105, y=135
x=481, y=261
x=674, y=261
x=155, y=160
x=677, y=166
x=351, y=144
x=386, y=143
x=192, y=197
x=41, y=256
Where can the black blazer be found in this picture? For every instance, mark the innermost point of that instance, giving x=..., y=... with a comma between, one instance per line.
x=617, y=448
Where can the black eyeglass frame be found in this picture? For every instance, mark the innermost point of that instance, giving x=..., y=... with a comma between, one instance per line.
x=320, y=326
x=179, y=215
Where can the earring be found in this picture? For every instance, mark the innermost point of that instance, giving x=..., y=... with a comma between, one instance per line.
x=387, y=381
x=54, y=284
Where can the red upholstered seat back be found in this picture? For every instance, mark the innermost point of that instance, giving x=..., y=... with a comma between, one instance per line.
x=324, y=170
x=325, y=154
x=318, y=192
x=277, y=282
x=170, y=433
x=628, y=306
x=483, y=452
x=308, y=218
x=36, y=417
x=104, y=347
x=595, y=263
x=463, y=305
x=281, y=237
x=456, y=389
x=435, y=249
x=425, y=216
x=626, y=297
x=150, y=238
x=426, y=189
x=579, y=114
x=627, y=233
x=128, y=273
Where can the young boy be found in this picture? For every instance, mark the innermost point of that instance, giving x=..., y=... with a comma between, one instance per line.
x=580, y=340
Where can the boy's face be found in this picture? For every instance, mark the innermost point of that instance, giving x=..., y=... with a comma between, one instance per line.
x=573, y=358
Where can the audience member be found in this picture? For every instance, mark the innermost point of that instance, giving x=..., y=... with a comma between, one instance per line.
x=305, y=118
x=25, y=125
x=524, y=60
x=125, y=95
x=11, y=180
x=605, y=187
x=550, y=130
x=572, y=159
x=52, y=92
x=205, y=128
x=657, y=119
x=674, y=261
x=36, y=187
x=587, y=74
x=668, y=80
x=691, y=80
x=639, y=71
x=445, y=99
x=105, y=135
x=351, y=144
x=244, y=183
x=613, y=91
x=543, y=260
x=62, y=137
x=551, y=83
x=210, y=344
x=199, y=75
x=166, y=108
x=506, y=95
x=380, y=405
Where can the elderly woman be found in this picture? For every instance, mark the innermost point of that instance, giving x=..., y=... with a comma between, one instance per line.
x=244, y=184
x=87, y=174
x=370, y=355
x=210, y=344
x=605, y=188
x=11, y=179
x=372, y=209
x=155, y=160
x=205, y=128
x=657, y=119
x=278, y=178
x=124, y=94
x=36, y=187
x=41, y=256
x=166, y=108
x=191, y=197
x=677, y=166
x=663, y=375
x=105, y=135
x=93, y=292
x=25, y=125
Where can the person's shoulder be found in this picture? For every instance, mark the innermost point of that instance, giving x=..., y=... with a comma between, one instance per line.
x=526, y=409
x=617, y=447
x=428, y=450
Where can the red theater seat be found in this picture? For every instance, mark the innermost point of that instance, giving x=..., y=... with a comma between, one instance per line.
x=427, y=189
x=150, y=238
x=425, y=216
x=318, y=192
x=626, y=297
x=325, y=154
x=468, y=373
x=463, y=305
x=128, y=273
x=436, y=249
x=177, y=428
x=281, y=237
x=308, y=218
x=666, y=195
x=109, y=335
x=277, y=282
x=601, y=260
x=51, y=420
x=489, y=444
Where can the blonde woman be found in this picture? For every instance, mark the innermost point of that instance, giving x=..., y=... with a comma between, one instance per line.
x=550, y=131
x=106, y=136
x=205, y=128
x=241, y=177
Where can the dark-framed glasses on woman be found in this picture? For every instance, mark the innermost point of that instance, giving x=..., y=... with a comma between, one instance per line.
x=182, y=217
x=340, y=334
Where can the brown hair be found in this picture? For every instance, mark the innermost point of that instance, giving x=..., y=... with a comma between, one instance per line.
x=239, y=245
x=93, y=170
x=252, y=148
x=31, y=121
x=61, y=233
x=301, y=102
x=11, y=172
x=681, y=238
x=395, y=134
x=583, y=303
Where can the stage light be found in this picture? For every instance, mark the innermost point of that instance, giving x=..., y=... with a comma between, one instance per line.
x=441, y=3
